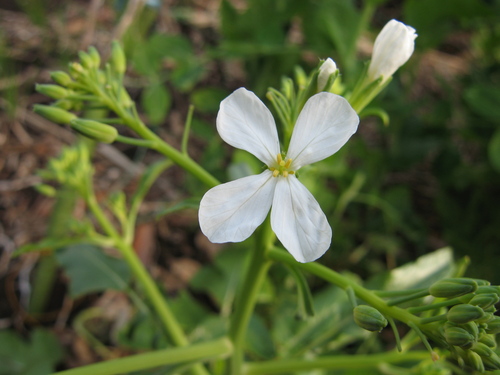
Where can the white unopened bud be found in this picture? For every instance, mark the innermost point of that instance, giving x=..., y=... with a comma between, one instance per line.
x=393, y=47
x=325, y=71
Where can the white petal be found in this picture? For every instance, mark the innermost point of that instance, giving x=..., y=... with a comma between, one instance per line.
x=245, y=122
x=298, y=221
x=325, y=124
x=232, y=211
x=393, y=47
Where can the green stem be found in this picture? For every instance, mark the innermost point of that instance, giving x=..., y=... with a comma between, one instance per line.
x=247, y=295
x=199, y=352
x=411, y=297
x=335, y=278
x=134, y=122
x=154, y=295
x=46, y=271
x=341, y=362
x=187, y=129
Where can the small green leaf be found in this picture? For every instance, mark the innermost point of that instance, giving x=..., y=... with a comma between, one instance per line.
x=494, y=150
x=484, y=100
x=423, y=272
x=259, y=340
x=91, y=270
x=208, y=99
x=36, y=357
x=156, y=101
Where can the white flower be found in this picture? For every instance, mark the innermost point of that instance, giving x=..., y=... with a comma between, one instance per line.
x=325, y=71
x=393, y=47
x=232, y=211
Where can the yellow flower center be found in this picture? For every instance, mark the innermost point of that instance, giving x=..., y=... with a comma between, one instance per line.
x=282, y=167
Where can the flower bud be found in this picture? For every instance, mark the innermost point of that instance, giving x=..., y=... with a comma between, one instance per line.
x=94, y=55
x=474, y=360
x=326, y=75
x=64, y=104
x=484, y=300
x=46, y=190
x=491, y=363
x=95, y=130
x=57, y=115
x=453, y=287
x=52, y=91
x=118, y=60
x=86, y=60
x=393, y=47
x=483, y=350
x=61, y=78
x=369, y=318
x=458, y=336
x=463, y=313
x=488, y=340
x=485, y=318
x=493, y=326
x=76, y=70
x=472, y=328
x=495, y=289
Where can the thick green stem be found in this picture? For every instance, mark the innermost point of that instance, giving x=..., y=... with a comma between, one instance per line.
x=335, y=278
x=341, y=362
x=247, y=296
x=199, y=352
x=154, y=295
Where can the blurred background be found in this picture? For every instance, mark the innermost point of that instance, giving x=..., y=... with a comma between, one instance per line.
x=427, y=180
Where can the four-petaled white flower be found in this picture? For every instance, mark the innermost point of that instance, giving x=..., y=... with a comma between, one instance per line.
x=393, y=47
x=232, y=211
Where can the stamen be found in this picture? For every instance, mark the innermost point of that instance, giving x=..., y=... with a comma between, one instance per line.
x=282, y=167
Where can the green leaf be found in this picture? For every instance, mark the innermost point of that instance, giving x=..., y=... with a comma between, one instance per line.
x=494, y=150
x=36, y=357
x=484, y=99
x=423, y=272
x=208, y=99
x=91, y=270
x=156, y=101
x=259, y=340
x=148, y=56
x=142, y=332
x=434, y=20
x=220, y=280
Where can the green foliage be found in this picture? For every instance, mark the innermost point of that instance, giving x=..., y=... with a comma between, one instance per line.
x=156, y=101
x=398, y=190
x=38, y=356
x=90, y=270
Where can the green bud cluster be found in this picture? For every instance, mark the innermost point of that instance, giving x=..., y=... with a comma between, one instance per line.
x=469, y=326
x=84, y=87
